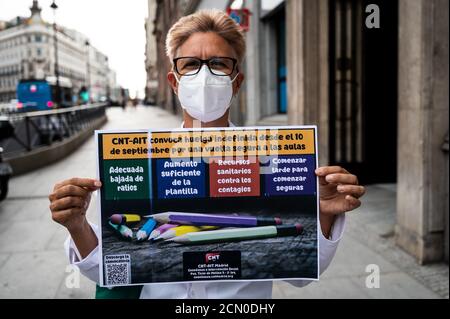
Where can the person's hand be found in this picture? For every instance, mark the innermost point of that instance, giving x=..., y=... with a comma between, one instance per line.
x=70, y=200
x=339, y=193
x=339, y=190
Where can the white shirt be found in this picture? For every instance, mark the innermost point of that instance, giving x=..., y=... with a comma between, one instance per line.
x=89, y=267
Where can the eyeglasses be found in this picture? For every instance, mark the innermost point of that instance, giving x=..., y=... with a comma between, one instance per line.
x=220, y=66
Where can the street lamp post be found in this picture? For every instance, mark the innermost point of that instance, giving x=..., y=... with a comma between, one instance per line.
x=55, y=42
x=88, y=73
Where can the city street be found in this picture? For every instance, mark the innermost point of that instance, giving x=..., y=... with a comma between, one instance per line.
x=33, y=262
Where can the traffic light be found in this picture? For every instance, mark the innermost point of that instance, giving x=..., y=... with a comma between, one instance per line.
x=84, y=95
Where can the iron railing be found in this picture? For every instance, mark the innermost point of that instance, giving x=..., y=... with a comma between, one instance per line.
x=43, y=128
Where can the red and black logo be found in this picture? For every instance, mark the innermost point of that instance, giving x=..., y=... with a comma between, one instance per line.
x=212, y=257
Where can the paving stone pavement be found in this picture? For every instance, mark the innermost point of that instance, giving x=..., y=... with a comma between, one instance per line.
x=369, y=240
x=33, y=263
x=32, y=260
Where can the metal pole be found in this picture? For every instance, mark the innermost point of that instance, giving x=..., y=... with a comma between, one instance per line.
x=27, y=127
x=55, y=42
x=88, y=75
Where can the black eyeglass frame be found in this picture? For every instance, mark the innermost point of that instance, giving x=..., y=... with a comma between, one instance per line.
x=202, y=62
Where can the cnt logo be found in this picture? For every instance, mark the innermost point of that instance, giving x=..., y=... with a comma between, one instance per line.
x=212, y=257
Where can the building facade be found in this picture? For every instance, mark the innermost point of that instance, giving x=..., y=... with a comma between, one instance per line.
x=100, y=78
x=151, y=88
x=167, y=13
x=373, y=75
x=379, y=94
x=27, y=51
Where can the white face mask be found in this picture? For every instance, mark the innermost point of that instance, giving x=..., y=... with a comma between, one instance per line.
x=205, y=96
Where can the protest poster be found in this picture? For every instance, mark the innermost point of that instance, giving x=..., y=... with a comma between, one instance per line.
x=218, y=204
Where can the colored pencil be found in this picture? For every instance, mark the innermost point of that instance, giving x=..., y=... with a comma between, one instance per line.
x=160, y=230
x=123, y=230
x=215, y=220
x=182, y=230
x=145, y=230
x=119, y=219
x=237, y=234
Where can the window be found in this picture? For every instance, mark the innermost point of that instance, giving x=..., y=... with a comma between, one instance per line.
x=269, y=5
x=38, y=38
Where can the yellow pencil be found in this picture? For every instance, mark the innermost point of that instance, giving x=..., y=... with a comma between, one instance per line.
x=119, y=219
x=182, y=230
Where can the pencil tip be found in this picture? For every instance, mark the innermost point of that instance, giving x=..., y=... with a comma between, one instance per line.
x=141, y=235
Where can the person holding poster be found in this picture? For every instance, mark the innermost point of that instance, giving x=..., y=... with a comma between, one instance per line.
x=206, y=49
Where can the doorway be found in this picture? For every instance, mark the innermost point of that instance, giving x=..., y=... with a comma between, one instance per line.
x=363, y=90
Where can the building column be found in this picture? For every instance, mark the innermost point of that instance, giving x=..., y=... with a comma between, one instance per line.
x=423, y=125
x=446, y=212
x=253, y=65
x=307, y=64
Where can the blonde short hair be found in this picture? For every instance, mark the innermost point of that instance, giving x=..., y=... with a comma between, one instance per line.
x=206, y=21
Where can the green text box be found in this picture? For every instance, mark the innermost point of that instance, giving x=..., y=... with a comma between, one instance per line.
x=126, y=179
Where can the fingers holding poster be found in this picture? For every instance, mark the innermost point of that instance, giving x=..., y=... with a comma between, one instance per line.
x=217, y=204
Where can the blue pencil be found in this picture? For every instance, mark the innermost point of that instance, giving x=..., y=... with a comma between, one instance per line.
x=145, y=230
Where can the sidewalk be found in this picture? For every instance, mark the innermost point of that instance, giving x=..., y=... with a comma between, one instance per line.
x=33, y=263
x=32, y=259
x=369, y=239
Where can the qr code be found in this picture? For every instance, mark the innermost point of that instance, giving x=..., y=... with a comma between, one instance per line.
x=117, y=270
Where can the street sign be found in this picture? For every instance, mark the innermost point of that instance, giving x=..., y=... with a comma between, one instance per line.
x=241, y=16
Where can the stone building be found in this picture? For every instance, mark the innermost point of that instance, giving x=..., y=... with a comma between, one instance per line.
x=167, y=13
x=27, y=51
x=151, y=88
x=372, y=74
